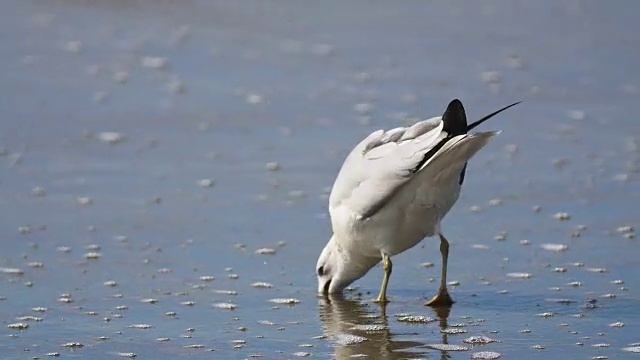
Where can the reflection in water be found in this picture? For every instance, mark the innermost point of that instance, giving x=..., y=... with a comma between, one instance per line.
x=443, y=315
x=343, y=319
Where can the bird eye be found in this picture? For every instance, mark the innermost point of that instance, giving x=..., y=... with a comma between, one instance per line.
x=321, y=271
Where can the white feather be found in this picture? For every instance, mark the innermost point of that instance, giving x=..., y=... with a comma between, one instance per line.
x=387, y=198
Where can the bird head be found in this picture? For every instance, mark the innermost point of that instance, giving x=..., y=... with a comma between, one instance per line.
x=336, y=269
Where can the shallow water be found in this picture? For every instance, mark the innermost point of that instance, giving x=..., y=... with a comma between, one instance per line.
x=122, y=248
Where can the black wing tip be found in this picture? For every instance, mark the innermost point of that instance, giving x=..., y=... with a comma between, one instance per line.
x=455, y=105
x=476, y=123
x=455, y=102
x=455, y=118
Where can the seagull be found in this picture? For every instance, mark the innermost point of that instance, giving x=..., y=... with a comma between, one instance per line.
x=392, y=191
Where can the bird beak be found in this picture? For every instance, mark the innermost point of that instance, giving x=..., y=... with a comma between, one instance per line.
x=324, y=288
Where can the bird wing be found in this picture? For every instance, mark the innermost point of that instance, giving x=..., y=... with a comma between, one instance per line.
x=382, y=163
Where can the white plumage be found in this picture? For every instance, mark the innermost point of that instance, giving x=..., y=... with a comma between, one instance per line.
x=392, y=191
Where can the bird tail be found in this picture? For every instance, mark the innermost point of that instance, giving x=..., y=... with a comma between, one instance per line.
x=451, y=159
x=453, y=152
x=464, y=147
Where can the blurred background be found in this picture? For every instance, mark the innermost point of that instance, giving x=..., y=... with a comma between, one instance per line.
x=165, y=169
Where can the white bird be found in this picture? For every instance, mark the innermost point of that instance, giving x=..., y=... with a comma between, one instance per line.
x=392, y=191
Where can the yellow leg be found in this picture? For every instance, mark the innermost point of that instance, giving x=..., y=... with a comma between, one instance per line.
x=442, y=298
x=388, y=267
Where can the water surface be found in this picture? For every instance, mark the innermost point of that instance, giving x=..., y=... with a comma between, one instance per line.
x=123, y=249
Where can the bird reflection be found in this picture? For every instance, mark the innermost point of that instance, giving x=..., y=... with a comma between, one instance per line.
x=443, y=315
x=343, y=317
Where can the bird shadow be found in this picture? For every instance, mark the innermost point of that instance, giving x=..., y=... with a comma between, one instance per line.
x=358, y=328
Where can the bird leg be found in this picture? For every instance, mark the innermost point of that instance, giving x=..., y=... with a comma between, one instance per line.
x=442, y=298
x=388, y=267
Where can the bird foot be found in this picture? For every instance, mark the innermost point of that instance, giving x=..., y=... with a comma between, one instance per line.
x=442, y=298
x=381, y=300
